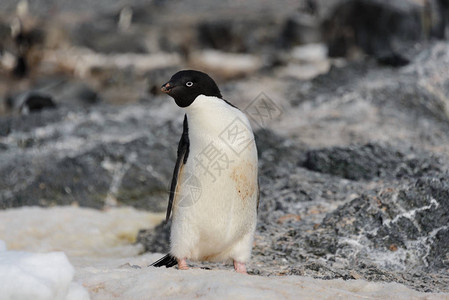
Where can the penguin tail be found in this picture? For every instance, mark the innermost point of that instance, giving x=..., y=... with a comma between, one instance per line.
x=168, y=261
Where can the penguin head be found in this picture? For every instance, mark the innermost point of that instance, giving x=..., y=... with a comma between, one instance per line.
x=186, y=85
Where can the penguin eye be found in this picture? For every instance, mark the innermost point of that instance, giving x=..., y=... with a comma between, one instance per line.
x=189, y=83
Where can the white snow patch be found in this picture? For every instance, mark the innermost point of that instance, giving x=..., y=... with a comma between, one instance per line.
x=82, y=60
x=310, y=52
x=38, y=276
x=226, y=64
x=76, y=231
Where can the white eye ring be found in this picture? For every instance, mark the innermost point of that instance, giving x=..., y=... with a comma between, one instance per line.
x=189, y=83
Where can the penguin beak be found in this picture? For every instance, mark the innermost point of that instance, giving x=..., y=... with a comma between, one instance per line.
x=166, y=87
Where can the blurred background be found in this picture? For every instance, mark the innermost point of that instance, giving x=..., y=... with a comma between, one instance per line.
x=360, y=90
x=73, y=59
x=118, y=51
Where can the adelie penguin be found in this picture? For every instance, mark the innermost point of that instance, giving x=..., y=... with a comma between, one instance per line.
x=214, y=192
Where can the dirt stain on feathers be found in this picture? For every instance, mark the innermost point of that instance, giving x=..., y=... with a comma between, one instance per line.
x=243, y=176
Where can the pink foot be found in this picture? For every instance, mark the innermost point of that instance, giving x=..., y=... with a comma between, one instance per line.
x=182, y=265
x=240, y=267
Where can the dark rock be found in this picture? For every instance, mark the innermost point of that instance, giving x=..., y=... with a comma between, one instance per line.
x=375, y=26
x=413, y=218
x=438, y=254
x=300, y=29
x=35, y=102
x=25, y=40
x=440, y=24
x=368, y=162
x=82, y=182
x=66, y=91
x=131, y=166
x=157, y=239
x=28, y=102
x=21, y=67
x=244, y=36
x=393, y=59
x=142, y=186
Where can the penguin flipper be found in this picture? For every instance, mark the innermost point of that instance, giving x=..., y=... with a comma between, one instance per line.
x=183, y=154
x=168, y=261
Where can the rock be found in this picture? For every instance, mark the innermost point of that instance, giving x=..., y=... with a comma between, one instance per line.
x=412, y=219
x=29, y=102
x=378, y=28
x=248, y=35
x=440, y=24
x=82, y=182
x=368, y=162
x=105, y=161
x=222, y=36
x=393, y=59
x=28, y=39
x=35, y=102
x=157, y=239
x=301, y=28
x=50, y=93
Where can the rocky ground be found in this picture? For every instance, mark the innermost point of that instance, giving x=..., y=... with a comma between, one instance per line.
x=353, y=159
x=359, y=187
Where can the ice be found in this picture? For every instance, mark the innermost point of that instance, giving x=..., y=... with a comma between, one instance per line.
x=105, y=262
x=38, y=276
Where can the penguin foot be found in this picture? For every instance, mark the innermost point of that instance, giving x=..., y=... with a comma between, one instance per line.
x=182, y=264
x=240, y=267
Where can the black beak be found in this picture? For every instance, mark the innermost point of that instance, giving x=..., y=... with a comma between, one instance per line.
x=166, y=87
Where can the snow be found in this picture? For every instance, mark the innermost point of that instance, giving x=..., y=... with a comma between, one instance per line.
x=77, y=231
x=46, y=273
x=101, y=259
x=38, y=276
x=116, y=281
